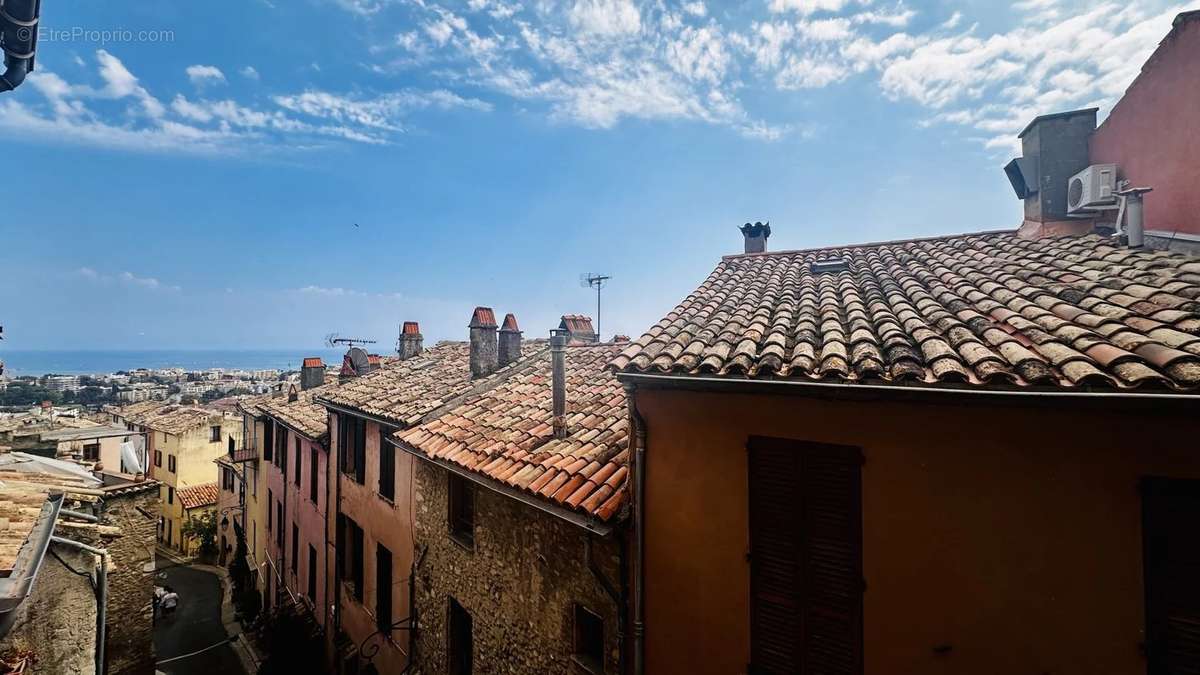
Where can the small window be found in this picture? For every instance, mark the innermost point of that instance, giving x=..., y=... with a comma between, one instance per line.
x=352, y=447
x=91, y=452
x=383, y=589
x=312, y=573
x=270, y=498
x=170, y=497
x=387, y=467
x=268, y=441
x=281, y=450
x=312, y=474
x=171, y=463
x=226, y=479
x=215, y=434
x=295, y=548
x=459, y=643
x=462, y=510
x=158, y=458
x=350, y=554
x=298, y=462
x=279, y=531
x=589, y=640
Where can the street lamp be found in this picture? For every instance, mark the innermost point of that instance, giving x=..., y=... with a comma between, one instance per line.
x=18, y=40
x=225, y=522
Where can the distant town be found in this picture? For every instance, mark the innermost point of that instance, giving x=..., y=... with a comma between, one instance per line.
x=171, y=385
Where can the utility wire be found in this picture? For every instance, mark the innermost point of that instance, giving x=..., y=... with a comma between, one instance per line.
x=228, y=640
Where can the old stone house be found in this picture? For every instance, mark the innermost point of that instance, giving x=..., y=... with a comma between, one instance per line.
x=53, y=617
x=971, y=454
x=516, y=513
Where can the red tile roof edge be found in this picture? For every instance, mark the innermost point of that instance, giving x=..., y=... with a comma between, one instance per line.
x=869, y=244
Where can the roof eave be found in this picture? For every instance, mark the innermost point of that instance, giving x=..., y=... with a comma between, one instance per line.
x=916, y=392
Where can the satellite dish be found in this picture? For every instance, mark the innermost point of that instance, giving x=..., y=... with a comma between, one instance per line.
x=129, y=459
x=358, y=359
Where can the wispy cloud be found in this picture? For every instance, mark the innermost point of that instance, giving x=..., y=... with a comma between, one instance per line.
x=201, y=75
x=126, y=279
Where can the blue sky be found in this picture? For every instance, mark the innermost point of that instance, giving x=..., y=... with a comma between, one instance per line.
x=185, y=175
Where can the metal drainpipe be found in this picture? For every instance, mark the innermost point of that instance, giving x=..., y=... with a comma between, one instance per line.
x=101, y=594
x=638, y=425
x=20, y=26
x=558, y=355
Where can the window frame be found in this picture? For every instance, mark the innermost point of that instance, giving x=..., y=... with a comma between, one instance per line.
x=299, y=461
x=214, y=433
x=387, y=468
x=383, y=589
x=460, y=502
x=313, y=473
x=589, y=662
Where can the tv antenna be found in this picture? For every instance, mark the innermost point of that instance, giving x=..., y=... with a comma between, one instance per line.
x=333, y=341
x=596, y=281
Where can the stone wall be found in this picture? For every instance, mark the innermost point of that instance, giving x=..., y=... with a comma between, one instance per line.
x=520, y=584
x=58, y=620
x=130, y=648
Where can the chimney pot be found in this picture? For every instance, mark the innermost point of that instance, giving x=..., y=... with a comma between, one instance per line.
x=485, y=356
x=558, y=379
x=510, y=341
x=410, y=340
x=312, y=373
x=577, y=327
x=755, y=236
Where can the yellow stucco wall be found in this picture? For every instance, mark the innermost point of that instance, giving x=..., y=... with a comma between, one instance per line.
x=195, y=455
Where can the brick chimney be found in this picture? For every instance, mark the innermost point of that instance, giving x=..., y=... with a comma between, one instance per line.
x=410, y=340
x=510, y=341
x=312, y=373
x=484, y=347
x=577, y=327
x=756, y=236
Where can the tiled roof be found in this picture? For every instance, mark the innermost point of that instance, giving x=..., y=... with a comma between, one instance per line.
x=989, y=310
x=505, y=433
x=303, y=414
x=403, y=391
x=197, y=496
x=137, y=413
x=313, y=362
x=411, y=328
x=577, y=325
x=483, y=317
x=510, y=322
x=25, y=482
x=177, y=420
x=252, y=405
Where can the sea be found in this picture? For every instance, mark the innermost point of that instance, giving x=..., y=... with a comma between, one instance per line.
x=98, y=362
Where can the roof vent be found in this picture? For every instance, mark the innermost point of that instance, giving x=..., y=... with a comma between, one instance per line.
x=829, y=266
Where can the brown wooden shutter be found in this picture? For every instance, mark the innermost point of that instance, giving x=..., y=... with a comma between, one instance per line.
x=806, y=557
x=1170, y=511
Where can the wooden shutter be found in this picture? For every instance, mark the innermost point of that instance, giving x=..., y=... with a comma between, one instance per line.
x=805, y=557
x=387, y=466
x=360, y=451
x=1170, y=511
x=383, y=589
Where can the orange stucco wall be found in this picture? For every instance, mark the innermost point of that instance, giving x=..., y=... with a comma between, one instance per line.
x=1010, y=534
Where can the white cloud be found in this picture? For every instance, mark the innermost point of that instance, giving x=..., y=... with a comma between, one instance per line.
x=126, y=279
x=249, y=73
x=695, y=9
x=201, y=75
x=806, y=7
x=606, y=17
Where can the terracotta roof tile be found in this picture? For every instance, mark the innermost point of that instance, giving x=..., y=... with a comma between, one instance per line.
x=197, y=496
x=986, y=309
x=505, y=433
x=404, y=391
x=303, y=414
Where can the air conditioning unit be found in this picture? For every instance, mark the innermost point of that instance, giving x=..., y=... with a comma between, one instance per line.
x=1092, y=188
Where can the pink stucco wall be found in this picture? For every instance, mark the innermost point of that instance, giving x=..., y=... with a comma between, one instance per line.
x=1153, y=133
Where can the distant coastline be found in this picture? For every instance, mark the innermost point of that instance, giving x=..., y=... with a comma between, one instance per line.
x=19, y=363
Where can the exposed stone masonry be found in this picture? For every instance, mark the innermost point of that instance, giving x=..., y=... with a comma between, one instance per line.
x=521, y=582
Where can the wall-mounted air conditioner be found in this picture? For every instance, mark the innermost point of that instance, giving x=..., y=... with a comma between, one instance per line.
x=1092, y=189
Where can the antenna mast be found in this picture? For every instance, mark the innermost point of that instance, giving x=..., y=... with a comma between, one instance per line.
x=596, y=281
x=333, y=340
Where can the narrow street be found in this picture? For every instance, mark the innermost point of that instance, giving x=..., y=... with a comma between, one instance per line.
x=196, y=625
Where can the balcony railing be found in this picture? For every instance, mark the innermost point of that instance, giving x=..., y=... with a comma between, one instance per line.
x=247, y=453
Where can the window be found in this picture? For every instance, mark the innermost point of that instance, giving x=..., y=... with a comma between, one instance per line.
x=458, y=640
x=387, y=467
x=170, y=496
x=226, y=479
x=805, y=570
x=280, y=532
x=281, y=450
x=312, y=573
x=383, y=589
x=312, y=473
x=268, y=441
x=350, y=554
x=462, y=510
x=158, y=458
x=171, y=463
x=270, y=498
x=295, y=548
x=352, y=447
x=589, y=640
x=1171, y=556
x=214, y=434
x=91, y=452
x=298, y=462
